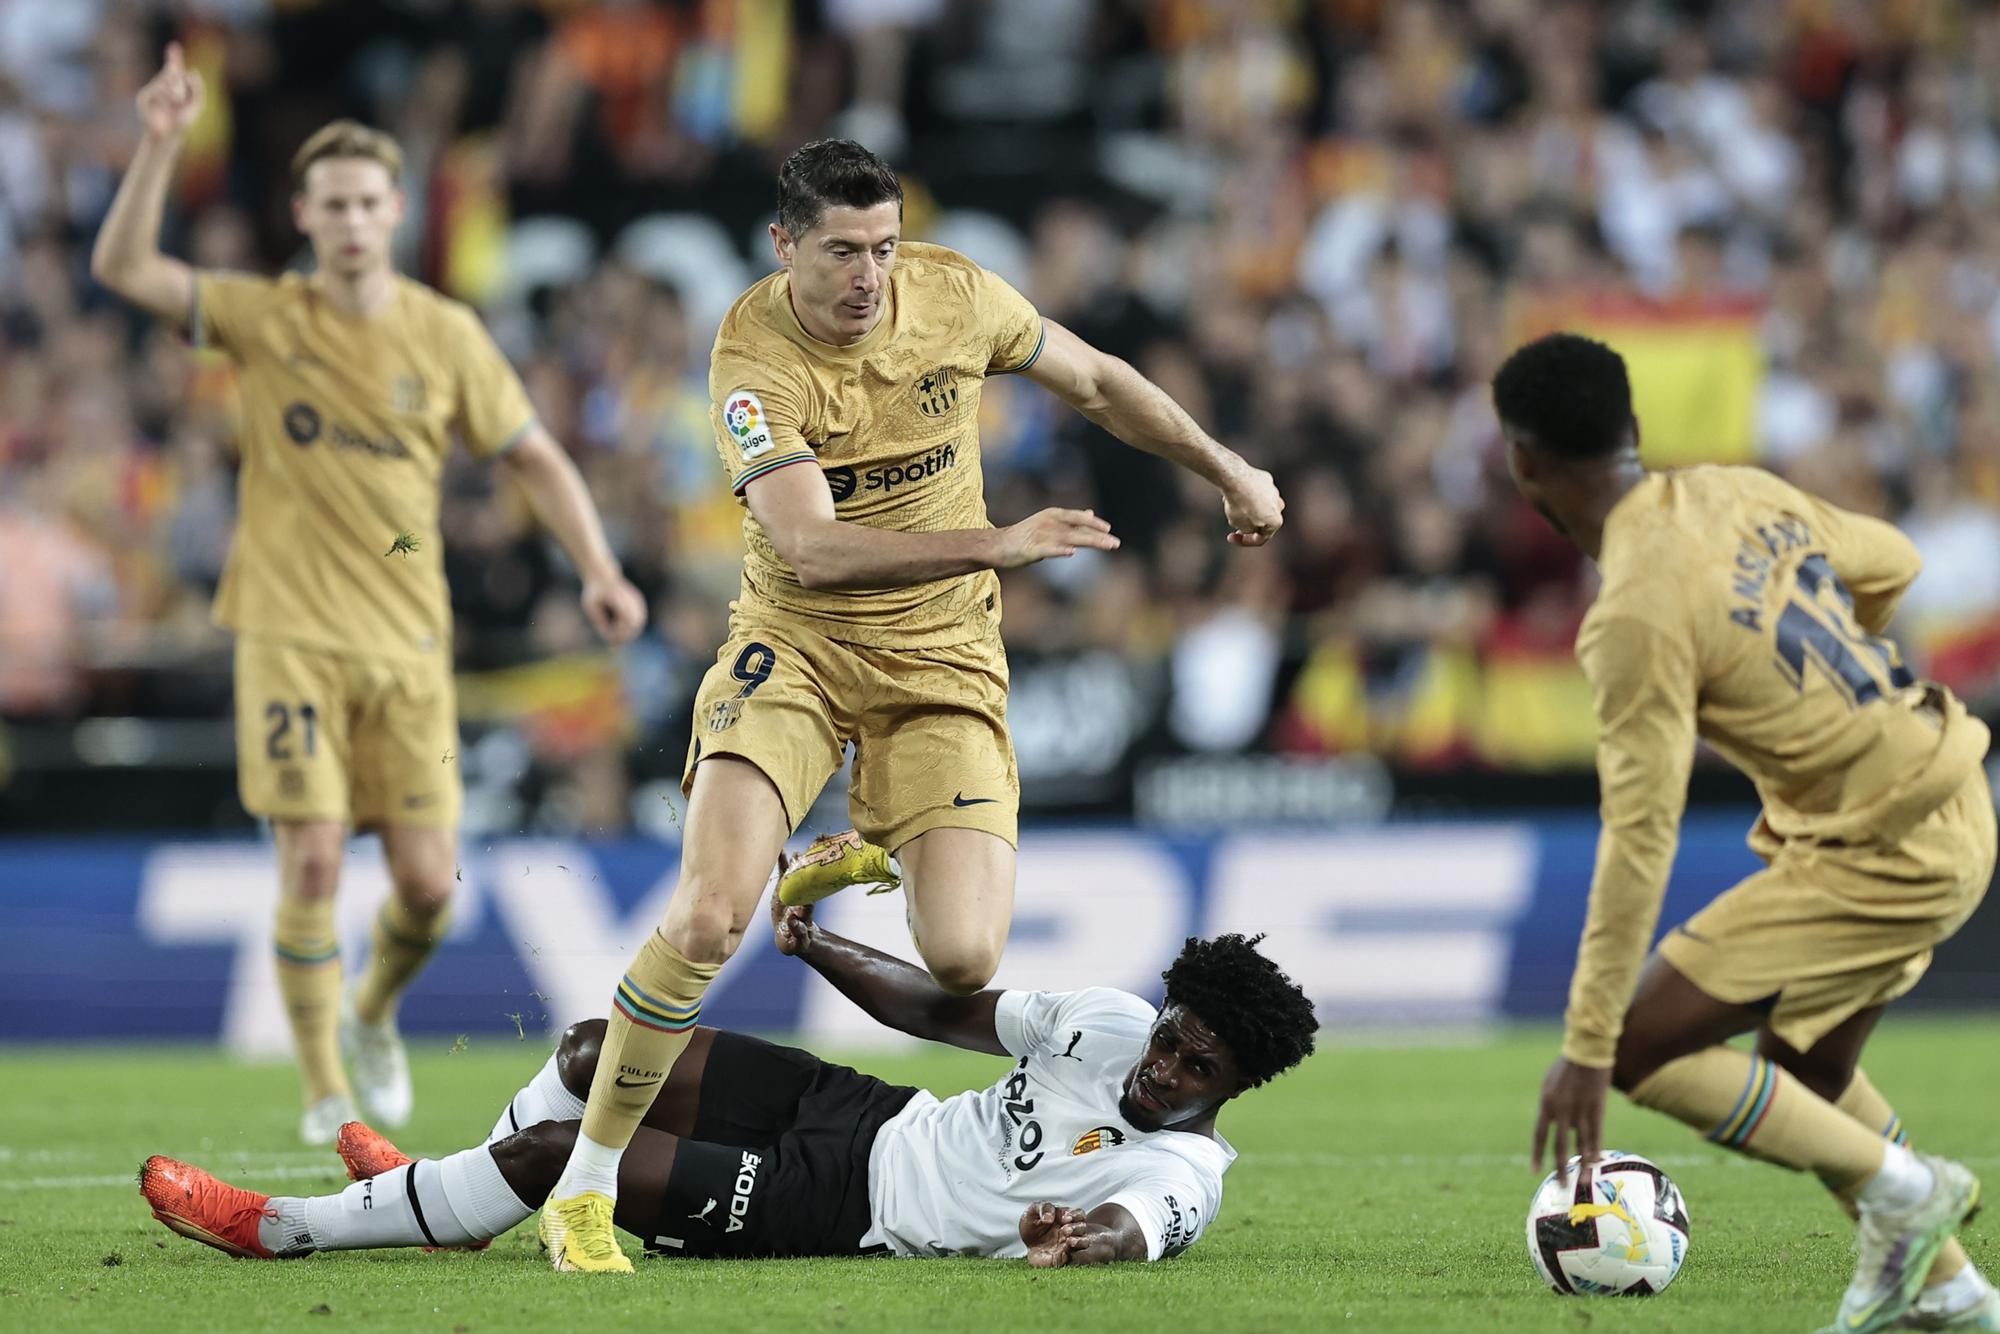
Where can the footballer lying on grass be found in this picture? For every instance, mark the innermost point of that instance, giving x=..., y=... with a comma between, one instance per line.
x=758, y=1150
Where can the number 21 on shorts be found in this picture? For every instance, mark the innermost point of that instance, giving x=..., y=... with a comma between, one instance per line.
x=278, y=743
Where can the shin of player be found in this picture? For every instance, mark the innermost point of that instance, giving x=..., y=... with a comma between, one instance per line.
x=736, y=826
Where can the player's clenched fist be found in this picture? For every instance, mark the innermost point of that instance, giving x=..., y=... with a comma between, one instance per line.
x=1253, y=507
x=791, y=924
x=616, y=609
x=171, y=101
x=1051, y=533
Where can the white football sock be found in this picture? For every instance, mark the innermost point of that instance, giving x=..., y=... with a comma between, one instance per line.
x=1902, y=1183
x=543, y=1098
x=591, y=1166
x=475, y=1191
x=286, y=1235
x=447, y=1202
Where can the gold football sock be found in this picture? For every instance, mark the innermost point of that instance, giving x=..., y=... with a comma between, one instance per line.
x=309, y=981
x=1747, y=1103
x=1865, y=1103
x=404, y=940
x=653, y=1014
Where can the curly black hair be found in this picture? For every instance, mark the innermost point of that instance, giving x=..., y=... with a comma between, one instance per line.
x=1264, y=1017
x=1569, y=393
x=828, y=173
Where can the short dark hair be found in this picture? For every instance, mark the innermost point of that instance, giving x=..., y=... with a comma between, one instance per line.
x=1247, y=1001
x=1569, y=393
x=827, y=173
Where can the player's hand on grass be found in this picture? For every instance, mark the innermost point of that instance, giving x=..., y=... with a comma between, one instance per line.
x=172, y=99
x=615, y=607
x=1253, y=507
x=1057, y=1237
x=1042, y=1227
x=1052, y=533
x=1572, y=1110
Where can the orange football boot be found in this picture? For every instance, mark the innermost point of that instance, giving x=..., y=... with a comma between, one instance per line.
x=367, y=1153
x=213, y=1212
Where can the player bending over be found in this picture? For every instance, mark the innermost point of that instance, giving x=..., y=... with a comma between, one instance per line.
x=759, y=1150
x=1739, y=609
x=845, y=392
x=353, y=382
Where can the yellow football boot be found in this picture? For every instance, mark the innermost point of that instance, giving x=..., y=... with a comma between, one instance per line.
x=831, y=864
x=578, y=1235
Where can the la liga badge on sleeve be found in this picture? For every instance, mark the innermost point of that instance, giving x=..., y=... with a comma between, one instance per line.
x=743, y=415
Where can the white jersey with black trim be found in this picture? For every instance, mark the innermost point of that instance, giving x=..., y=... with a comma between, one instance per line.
x=953, y=1177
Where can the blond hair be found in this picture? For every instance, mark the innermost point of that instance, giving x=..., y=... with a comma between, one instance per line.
x=347, y=139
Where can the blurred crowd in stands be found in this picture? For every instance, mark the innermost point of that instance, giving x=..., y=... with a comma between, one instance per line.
x=1317, y=223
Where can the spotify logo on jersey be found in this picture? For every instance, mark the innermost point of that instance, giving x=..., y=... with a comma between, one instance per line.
x=844, y=481
x=302, y=423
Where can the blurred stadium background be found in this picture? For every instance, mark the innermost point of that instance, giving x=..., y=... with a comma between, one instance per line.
x=1317, y=223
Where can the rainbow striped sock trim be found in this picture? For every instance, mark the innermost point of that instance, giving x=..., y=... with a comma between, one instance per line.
x=649, y=1012
x=1895, y=1133
x=307, y=954
x=1750, y=1110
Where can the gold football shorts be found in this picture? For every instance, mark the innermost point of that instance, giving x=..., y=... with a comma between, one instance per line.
x=1830, y=930
x=929, y=727
x=331, y=736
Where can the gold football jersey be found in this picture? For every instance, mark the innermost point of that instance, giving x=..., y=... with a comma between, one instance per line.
x=346, y=420
x=1738, y=608
x=893, y=422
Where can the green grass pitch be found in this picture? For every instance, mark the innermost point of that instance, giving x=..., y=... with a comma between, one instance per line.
x=1378, y=1190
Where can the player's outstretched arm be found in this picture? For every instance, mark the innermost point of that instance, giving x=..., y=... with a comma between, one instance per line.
x=1137, y=411
x=562, y=503
x=893, y=992
x=1057, y=1237
x=796, y=510
x=1644, y=683
x=127, y=258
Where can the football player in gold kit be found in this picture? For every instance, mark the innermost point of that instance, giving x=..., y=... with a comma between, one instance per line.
x=845, y=395
x=353, y=382
x=1738, y=609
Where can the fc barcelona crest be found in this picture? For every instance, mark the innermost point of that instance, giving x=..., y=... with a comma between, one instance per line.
x=937, y=392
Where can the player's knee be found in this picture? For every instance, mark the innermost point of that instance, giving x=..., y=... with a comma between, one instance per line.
x=532, y=1158
x=963, y=974
x=1635, y=1061
x=576, y=1055
x=702, y=926
x=425, y=893
x=312, y=873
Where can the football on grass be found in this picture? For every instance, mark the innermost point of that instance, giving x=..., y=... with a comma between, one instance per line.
x=1616, y=1229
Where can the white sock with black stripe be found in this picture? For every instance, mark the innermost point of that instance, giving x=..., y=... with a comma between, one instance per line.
x=475, y=1192
x=543, y=1098
x=444, y=1202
